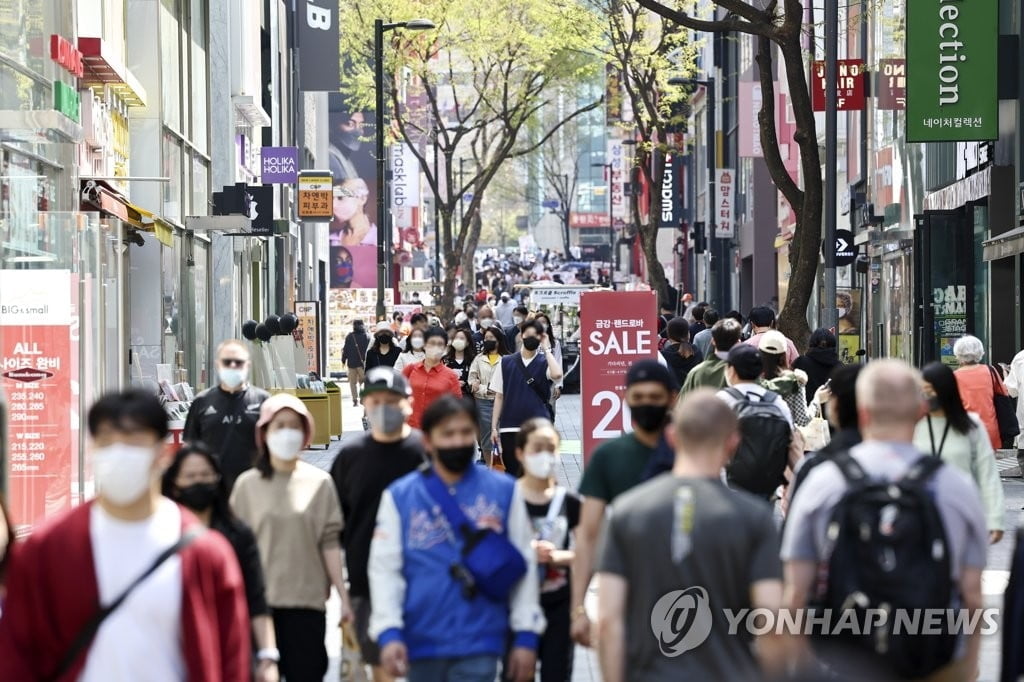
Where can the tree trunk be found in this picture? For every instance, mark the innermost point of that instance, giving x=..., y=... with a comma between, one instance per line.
x=566, y=235
x=445, y=308
x=649, y=232
x=472, y=241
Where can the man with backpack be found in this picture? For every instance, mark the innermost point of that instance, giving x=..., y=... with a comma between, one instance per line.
x=765, y=423
x=711, y=372
x=886, y=529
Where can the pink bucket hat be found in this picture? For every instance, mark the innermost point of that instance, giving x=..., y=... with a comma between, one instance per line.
x=283, y=401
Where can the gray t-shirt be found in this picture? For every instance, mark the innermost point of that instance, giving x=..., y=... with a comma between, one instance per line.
x=689, y=534
x=955, y=494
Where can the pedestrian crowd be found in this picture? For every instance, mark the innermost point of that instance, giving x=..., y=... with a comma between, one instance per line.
x=753, y=479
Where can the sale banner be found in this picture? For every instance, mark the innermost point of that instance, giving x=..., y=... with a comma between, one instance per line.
x=617, y=328
x=35, y=372
x=308, y=332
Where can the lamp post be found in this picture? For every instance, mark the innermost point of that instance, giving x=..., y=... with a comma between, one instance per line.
x=631, y=143
x=611, y=220
x=436, y=290
x=379, y=28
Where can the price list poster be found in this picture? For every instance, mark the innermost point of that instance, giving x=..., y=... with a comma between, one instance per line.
x=35, y=373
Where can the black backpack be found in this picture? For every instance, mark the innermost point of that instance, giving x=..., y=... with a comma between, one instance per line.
x=760, y=460
x=889, y=552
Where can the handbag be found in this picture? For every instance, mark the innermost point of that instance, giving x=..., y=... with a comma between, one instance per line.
x=816, y=434
x=490, y=564
x=84, y=637
x=1006, y=412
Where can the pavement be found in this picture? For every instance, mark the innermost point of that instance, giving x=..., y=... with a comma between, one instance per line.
x=569, y=420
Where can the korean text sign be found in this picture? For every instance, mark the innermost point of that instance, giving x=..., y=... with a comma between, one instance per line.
x=952, y=62
x=35, y=374
x=617, y=329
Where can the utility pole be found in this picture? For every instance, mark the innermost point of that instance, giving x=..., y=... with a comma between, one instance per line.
x=829, y=314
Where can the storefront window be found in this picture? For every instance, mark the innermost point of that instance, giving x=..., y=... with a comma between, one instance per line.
x=981, y=268
x=170, y=58
x=172, y=169
x=197, y=131
x=200, y=186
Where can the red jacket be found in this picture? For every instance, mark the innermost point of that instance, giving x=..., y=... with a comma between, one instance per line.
x=428, y=385
x=52, y=593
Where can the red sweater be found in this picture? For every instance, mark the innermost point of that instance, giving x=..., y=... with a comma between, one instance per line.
x=428, y=385
x=52, y=593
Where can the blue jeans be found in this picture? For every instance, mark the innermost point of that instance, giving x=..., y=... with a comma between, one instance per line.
x=472, y=669
x=484, y=411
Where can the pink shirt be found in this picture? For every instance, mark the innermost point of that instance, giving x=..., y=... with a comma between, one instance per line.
x=791, y=352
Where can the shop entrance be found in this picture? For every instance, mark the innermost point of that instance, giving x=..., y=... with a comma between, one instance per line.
x=944, y=283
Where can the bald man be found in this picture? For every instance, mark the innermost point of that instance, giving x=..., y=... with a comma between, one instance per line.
x=688, y=532
x=889, y=404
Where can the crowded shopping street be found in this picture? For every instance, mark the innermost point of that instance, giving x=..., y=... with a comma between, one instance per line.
x=532, y=340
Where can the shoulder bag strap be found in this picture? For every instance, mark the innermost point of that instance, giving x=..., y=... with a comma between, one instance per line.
x=921, y=470
x=997, y=380
x=449, y=507
x=735, y=393
x=555, y=507
x=84, y=637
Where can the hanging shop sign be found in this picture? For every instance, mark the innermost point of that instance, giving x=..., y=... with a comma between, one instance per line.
x=405, y=186
x=577, y=219
x=892, y=84
x=751, y=100
x=35, y=375
x=67, y=55
x=307, y=332
x=952, y=62
x=319, y=64
x=850, y=90
x=67, y=101
x=725, y=201
x=279, y=165
x=315, y=197
x=615, y=157
x=617, y=329
x=671, y=200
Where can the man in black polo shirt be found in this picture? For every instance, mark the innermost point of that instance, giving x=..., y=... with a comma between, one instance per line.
x=363, y=469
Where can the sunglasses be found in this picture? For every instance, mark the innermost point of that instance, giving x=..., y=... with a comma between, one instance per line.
x=232, y=362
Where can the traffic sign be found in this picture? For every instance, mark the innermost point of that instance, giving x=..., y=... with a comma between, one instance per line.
x=316, y=199
x=845, y=249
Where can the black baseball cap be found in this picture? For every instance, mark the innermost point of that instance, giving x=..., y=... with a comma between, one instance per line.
x=385, y=379
x=651, y=370
x=746, y=360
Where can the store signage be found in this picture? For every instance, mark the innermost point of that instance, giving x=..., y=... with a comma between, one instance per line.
x=562, y=295
x=35, y=376
x=67, y=55
x=670, y=203
x=319, y=64
x=316, y=200
x=67, y=101
x=307, y=333
x=892, y=84
x=751, y=100
x=617, y=162
x=952, y=62
x=844, y=248
x=405, y=186
x=850, y=90
x=260, y=209
x=279, y=165
x=588, y=219
x=617, y=328
x=725, y=200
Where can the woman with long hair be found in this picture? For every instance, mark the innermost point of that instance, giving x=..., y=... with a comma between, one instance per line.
x=194, y=480
x=293, y=509
x=383, y=350
x=778, y=377
x=459, y=357
x=957, y=436
x=414, y=342
x=493, y=349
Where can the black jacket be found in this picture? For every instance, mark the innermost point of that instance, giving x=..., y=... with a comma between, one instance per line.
x=374, y=358
x=679, y=365
x=226, y=422
x=818, y=363
x=354, y=352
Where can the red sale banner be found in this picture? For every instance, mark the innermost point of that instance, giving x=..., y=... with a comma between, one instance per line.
x=35, y=372
x=617, y=329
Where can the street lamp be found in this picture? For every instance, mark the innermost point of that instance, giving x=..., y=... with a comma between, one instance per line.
x=630, y=142
x=611, y=220
x=721, y=246
x=379, y=28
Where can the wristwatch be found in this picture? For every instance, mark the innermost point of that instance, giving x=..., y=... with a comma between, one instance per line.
x=268, y=655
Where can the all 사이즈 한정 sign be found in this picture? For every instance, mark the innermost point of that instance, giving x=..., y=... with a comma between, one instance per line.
x=952, y=62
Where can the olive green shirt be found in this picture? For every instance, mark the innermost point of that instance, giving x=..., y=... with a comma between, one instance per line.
x=615, y=467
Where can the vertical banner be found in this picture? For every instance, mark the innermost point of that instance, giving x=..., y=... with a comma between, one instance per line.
x=35, y=372
x=892, y=84
x=617, y=328
x=670, y=202
x=307, y=333
x=617, y=181
x=952, y=62
x=319, y=62
x=849, y=94
x=725, y=200
x=405, y=186
x=749, y=130
x=353, y=228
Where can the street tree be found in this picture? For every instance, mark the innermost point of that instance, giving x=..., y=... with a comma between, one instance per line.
x=469, y=91
x=777, y=26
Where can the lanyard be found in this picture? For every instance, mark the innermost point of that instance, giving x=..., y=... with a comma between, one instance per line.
x=931, y=437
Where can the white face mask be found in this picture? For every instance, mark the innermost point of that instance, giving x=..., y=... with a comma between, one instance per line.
x=434, y=353
x=459, y=344
x=123, y=472
x=842, y=312
x=540, y=464
x=285, y=444
x=416, y=342
x=486, y=322
x=518, y=319
x=232, y=377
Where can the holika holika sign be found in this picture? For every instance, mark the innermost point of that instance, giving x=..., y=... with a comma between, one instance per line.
x=952, y=48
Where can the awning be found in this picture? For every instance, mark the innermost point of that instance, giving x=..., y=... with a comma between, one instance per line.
x=1004, y=245
x=101, y=66
x=98, y=195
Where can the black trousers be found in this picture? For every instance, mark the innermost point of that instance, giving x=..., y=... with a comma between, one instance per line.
x=556, y=646
x=508, y=453
x=300, y=639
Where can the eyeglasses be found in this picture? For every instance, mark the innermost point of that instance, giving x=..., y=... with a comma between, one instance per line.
x=232, y=362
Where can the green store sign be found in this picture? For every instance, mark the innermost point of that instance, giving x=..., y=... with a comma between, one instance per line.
x=67, y=101
x=952, y=62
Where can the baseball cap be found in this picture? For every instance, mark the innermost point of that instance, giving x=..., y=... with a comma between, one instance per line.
x=385, y=379
x=745, y=359
x=651, y=370
x=773, y=342
x=504, y=295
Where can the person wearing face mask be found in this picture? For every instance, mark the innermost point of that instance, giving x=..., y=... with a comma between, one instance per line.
x=556, y=350
x=492, y=350
x=363, y=469
x=353, y=356
x=224, y=416
x=503, y=311
x=430, y=379
x=433, y=619
x=183, y=616
x=194, y=481
x=554, y=513
x=384, y=351
x=293, y=509
x=520, y=316
x=522, y=389
x=615, y=466
x=415, y=351
x=485, y=321
x=459, y=357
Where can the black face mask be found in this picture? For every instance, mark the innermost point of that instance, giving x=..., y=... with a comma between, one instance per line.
x=384, y=339
x=198, y=496
x=490, y=345
x=456, y=459
x=358, y=328
x=933, y=404
x=531, y=343
x=649, y=417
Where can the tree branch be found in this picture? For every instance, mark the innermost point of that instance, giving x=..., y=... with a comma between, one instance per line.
x=766, y=122
x=731, y=23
